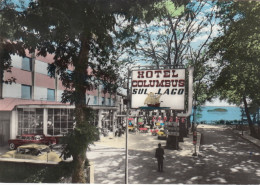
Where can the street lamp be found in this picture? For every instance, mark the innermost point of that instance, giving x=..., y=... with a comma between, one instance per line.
x=127, y=116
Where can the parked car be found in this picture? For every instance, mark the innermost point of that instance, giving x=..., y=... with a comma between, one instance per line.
x=161, y=134
x=30, y=138
x=38, y=152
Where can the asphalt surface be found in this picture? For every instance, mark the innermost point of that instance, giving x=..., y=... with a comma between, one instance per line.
x=224, y=158
x=109, y=158
x=227, y=158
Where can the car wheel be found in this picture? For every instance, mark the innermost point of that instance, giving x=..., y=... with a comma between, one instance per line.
x=12, y=146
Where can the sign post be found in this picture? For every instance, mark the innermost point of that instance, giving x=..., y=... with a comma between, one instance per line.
x=173, y=134
x=126, y=142
x=162, y=89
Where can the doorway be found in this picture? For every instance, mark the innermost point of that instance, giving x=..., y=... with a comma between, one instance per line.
x=4, y=132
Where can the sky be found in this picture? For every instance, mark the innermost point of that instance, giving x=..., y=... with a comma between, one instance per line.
x=217, y=102
x=199, y=39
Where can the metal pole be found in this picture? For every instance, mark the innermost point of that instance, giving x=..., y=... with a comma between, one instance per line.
x=195, y=130
x=126, y=152
x=242, y=121
x=126, y=141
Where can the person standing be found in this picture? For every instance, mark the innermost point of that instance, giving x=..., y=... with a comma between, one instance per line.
x=120, y=132
x=159, y=154
x=116, y=132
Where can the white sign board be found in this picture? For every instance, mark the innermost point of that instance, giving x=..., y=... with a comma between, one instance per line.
x=158, y=88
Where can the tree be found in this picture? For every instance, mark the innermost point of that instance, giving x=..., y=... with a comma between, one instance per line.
x=168, y=39
x=238, y=53
x=172, y=39
x=8, y=40
x=79, y=33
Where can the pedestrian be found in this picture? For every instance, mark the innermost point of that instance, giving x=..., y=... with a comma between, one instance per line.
x=159, y=155
x=116, y=132
x=119, y=132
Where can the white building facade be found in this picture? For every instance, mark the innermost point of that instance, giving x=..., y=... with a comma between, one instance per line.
x=32, y=103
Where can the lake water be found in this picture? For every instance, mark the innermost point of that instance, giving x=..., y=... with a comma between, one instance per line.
x=232, y=113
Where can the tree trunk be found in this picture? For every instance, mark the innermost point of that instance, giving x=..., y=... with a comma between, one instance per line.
x=78, y=174
x=80, y=65
x=1, y=79
x=250, y=123
x=1, y=69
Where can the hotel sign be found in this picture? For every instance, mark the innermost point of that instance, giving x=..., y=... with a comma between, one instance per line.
x=158, y=88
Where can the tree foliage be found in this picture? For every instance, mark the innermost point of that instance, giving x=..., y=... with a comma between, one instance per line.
x=180, y=40
x=9, y=45
x=238, y=53
x=81, y=34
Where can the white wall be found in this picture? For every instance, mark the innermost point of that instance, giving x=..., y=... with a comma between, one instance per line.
x=13, y=124
x=91, y=99
x=16, y=61
x=41, y=67
x=40, y=93
x=59, y=95
x=12, y=91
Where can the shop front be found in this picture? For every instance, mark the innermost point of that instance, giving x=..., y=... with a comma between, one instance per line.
x=50, y=120
x=54, y=121
x=42, y=117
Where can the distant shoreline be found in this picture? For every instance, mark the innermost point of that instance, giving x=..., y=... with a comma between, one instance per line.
x=217, y=110
x=219, y=106
x=233, y=113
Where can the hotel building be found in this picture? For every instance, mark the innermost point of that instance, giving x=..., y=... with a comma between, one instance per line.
x=32, y=103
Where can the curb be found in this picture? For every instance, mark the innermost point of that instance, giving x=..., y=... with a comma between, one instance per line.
x=27, y=161
x=247, y=137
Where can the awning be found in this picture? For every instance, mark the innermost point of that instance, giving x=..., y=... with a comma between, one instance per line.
x=8, y=104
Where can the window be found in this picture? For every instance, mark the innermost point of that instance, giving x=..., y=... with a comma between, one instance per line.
x=26, y=92
x=95, y=100
x=50, y=67
x=113, y=102
x=51, y=95
x=103, y=101
x=69, y=73
x=27, y=64
x=60, y=121
x=30, y=121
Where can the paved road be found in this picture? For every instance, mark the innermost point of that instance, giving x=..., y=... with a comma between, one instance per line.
x=110, y=164
x=226, y=158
